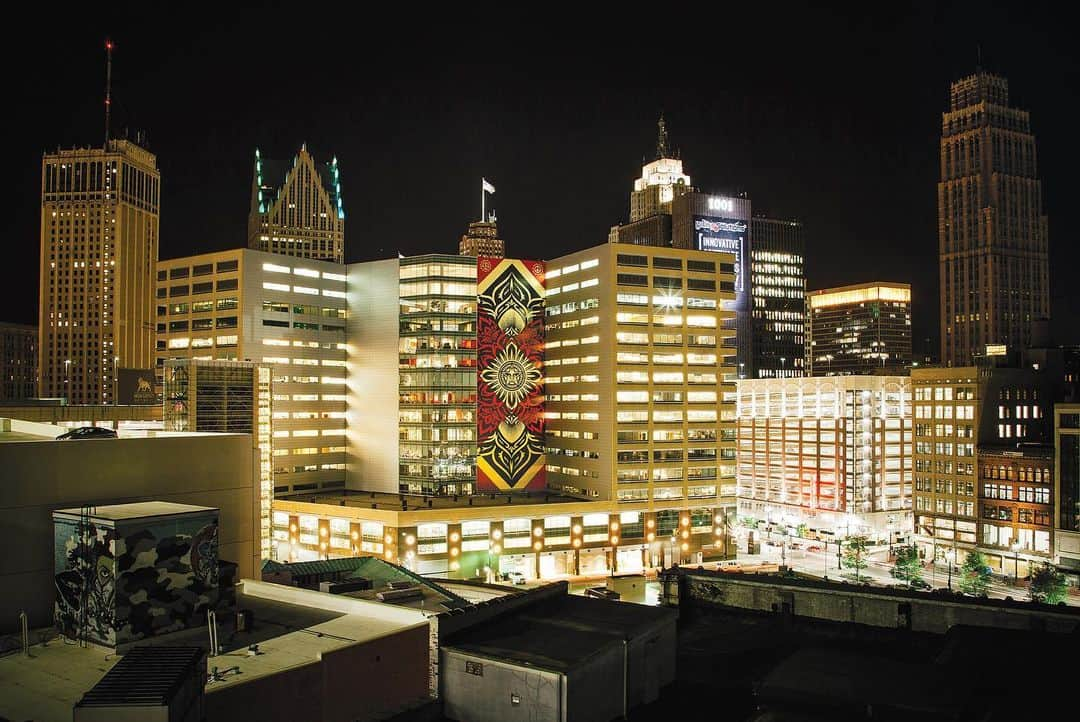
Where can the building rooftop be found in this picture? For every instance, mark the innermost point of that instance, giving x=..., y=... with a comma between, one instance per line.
x=291, y=627
x=138, y=510
x=599, y=615
x=417, y=502
x=534, y=643
x=434, y=596
x=13, y=430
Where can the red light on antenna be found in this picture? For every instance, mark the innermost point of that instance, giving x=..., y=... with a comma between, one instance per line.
x=108, y=44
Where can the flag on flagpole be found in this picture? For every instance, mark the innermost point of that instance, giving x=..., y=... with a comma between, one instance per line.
x=488, y=188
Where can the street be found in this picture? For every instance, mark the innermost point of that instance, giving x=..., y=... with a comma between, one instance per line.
x=826, y=564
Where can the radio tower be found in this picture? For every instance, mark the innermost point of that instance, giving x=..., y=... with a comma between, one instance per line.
x=108, y=87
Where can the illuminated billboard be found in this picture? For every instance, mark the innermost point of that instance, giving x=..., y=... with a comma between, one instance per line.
x=509, y=378
x=727, y=235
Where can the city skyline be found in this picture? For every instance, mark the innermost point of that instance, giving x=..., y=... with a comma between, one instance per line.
x=801, y=147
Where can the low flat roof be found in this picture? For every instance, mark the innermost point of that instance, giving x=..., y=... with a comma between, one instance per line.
x=138, y=510
x=46, y=685
x=536, y=644
x=598, y=615
x=417, y=502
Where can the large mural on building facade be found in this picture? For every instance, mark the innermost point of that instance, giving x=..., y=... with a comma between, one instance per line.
x=129, y=581
x=510, y=370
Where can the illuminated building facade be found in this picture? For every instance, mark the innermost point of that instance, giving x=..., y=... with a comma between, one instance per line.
x=661, y=181
x=99, y=247
x=18, y=361
x=296, y=210
x=834, y=454
x=437, y=357
x=983, y=464
x=859, y=329
x=226, y=397
x=1067, y=488
x=412, y=407
x=777, y=299
x=639, y=381
x=482, y=239
x=286, y=313
x=994, y=269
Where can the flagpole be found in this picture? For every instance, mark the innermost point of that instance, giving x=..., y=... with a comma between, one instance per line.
x=482, y=199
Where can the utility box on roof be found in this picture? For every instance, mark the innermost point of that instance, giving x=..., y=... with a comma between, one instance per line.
x=131, y=571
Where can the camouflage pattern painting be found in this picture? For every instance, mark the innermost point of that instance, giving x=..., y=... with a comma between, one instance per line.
x=140, y=579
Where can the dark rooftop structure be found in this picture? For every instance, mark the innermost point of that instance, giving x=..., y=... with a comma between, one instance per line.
x=167, y=678
x=534, y=643
x=383, y=577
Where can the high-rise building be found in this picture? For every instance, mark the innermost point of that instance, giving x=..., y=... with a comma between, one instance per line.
x=283, y=312
x=437, y=374
x=661, y=181
x=296, y=209
x=482, y=239
x=18, y=361
x=833, y=454
x=226, y=397
x=99, y=247
x=640, y=384
x=859, y=329
x=983, y=464
x=992, y=238
x=412, y=388
x=777, y=299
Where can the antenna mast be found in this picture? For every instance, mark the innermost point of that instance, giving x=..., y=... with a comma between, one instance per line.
x=108, y=86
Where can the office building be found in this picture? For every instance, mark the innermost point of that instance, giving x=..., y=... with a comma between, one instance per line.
x=412, y=385
x=482, y=239
x=99, y=246
x=639, y=381
x=992, y=237
x=777, y=299
x=18, y=361
x=296, y=208
x=289, y=314
x=1067, y=488
x=983, y=464
x=226, y=397
x=834, y=454
x=859, y=329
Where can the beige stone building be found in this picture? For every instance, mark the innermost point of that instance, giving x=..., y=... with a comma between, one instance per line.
x=99, y=247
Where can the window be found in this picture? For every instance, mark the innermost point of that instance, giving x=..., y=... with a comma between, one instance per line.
x=227, y=284
x=226, y=266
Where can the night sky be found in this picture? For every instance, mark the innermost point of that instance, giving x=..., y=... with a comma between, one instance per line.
x=820, y=116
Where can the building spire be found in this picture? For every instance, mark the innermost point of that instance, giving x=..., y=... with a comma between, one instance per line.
x=108, y=87
x=662, y=150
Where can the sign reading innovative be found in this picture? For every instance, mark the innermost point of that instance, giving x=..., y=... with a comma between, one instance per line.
x=727, y=235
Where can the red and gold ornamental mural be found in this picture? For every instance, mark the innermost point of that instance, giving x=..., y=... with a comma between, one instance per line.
x=510, y=371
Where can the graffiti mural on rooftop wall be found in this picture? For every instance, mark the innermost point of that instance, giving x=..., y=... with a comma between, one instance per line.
x=135, y=582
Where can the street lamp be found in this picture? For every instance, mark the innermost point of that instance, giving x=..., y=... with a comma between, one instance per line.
x=950, y=555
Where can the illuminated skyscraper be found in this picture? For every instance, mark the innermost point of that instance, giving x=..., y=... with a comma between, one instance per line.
x=99, y=250
x=482, y=239
x=661, y=181
x=297, y=210
x=860, y=329
x=777, y=299
x=995, y=277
